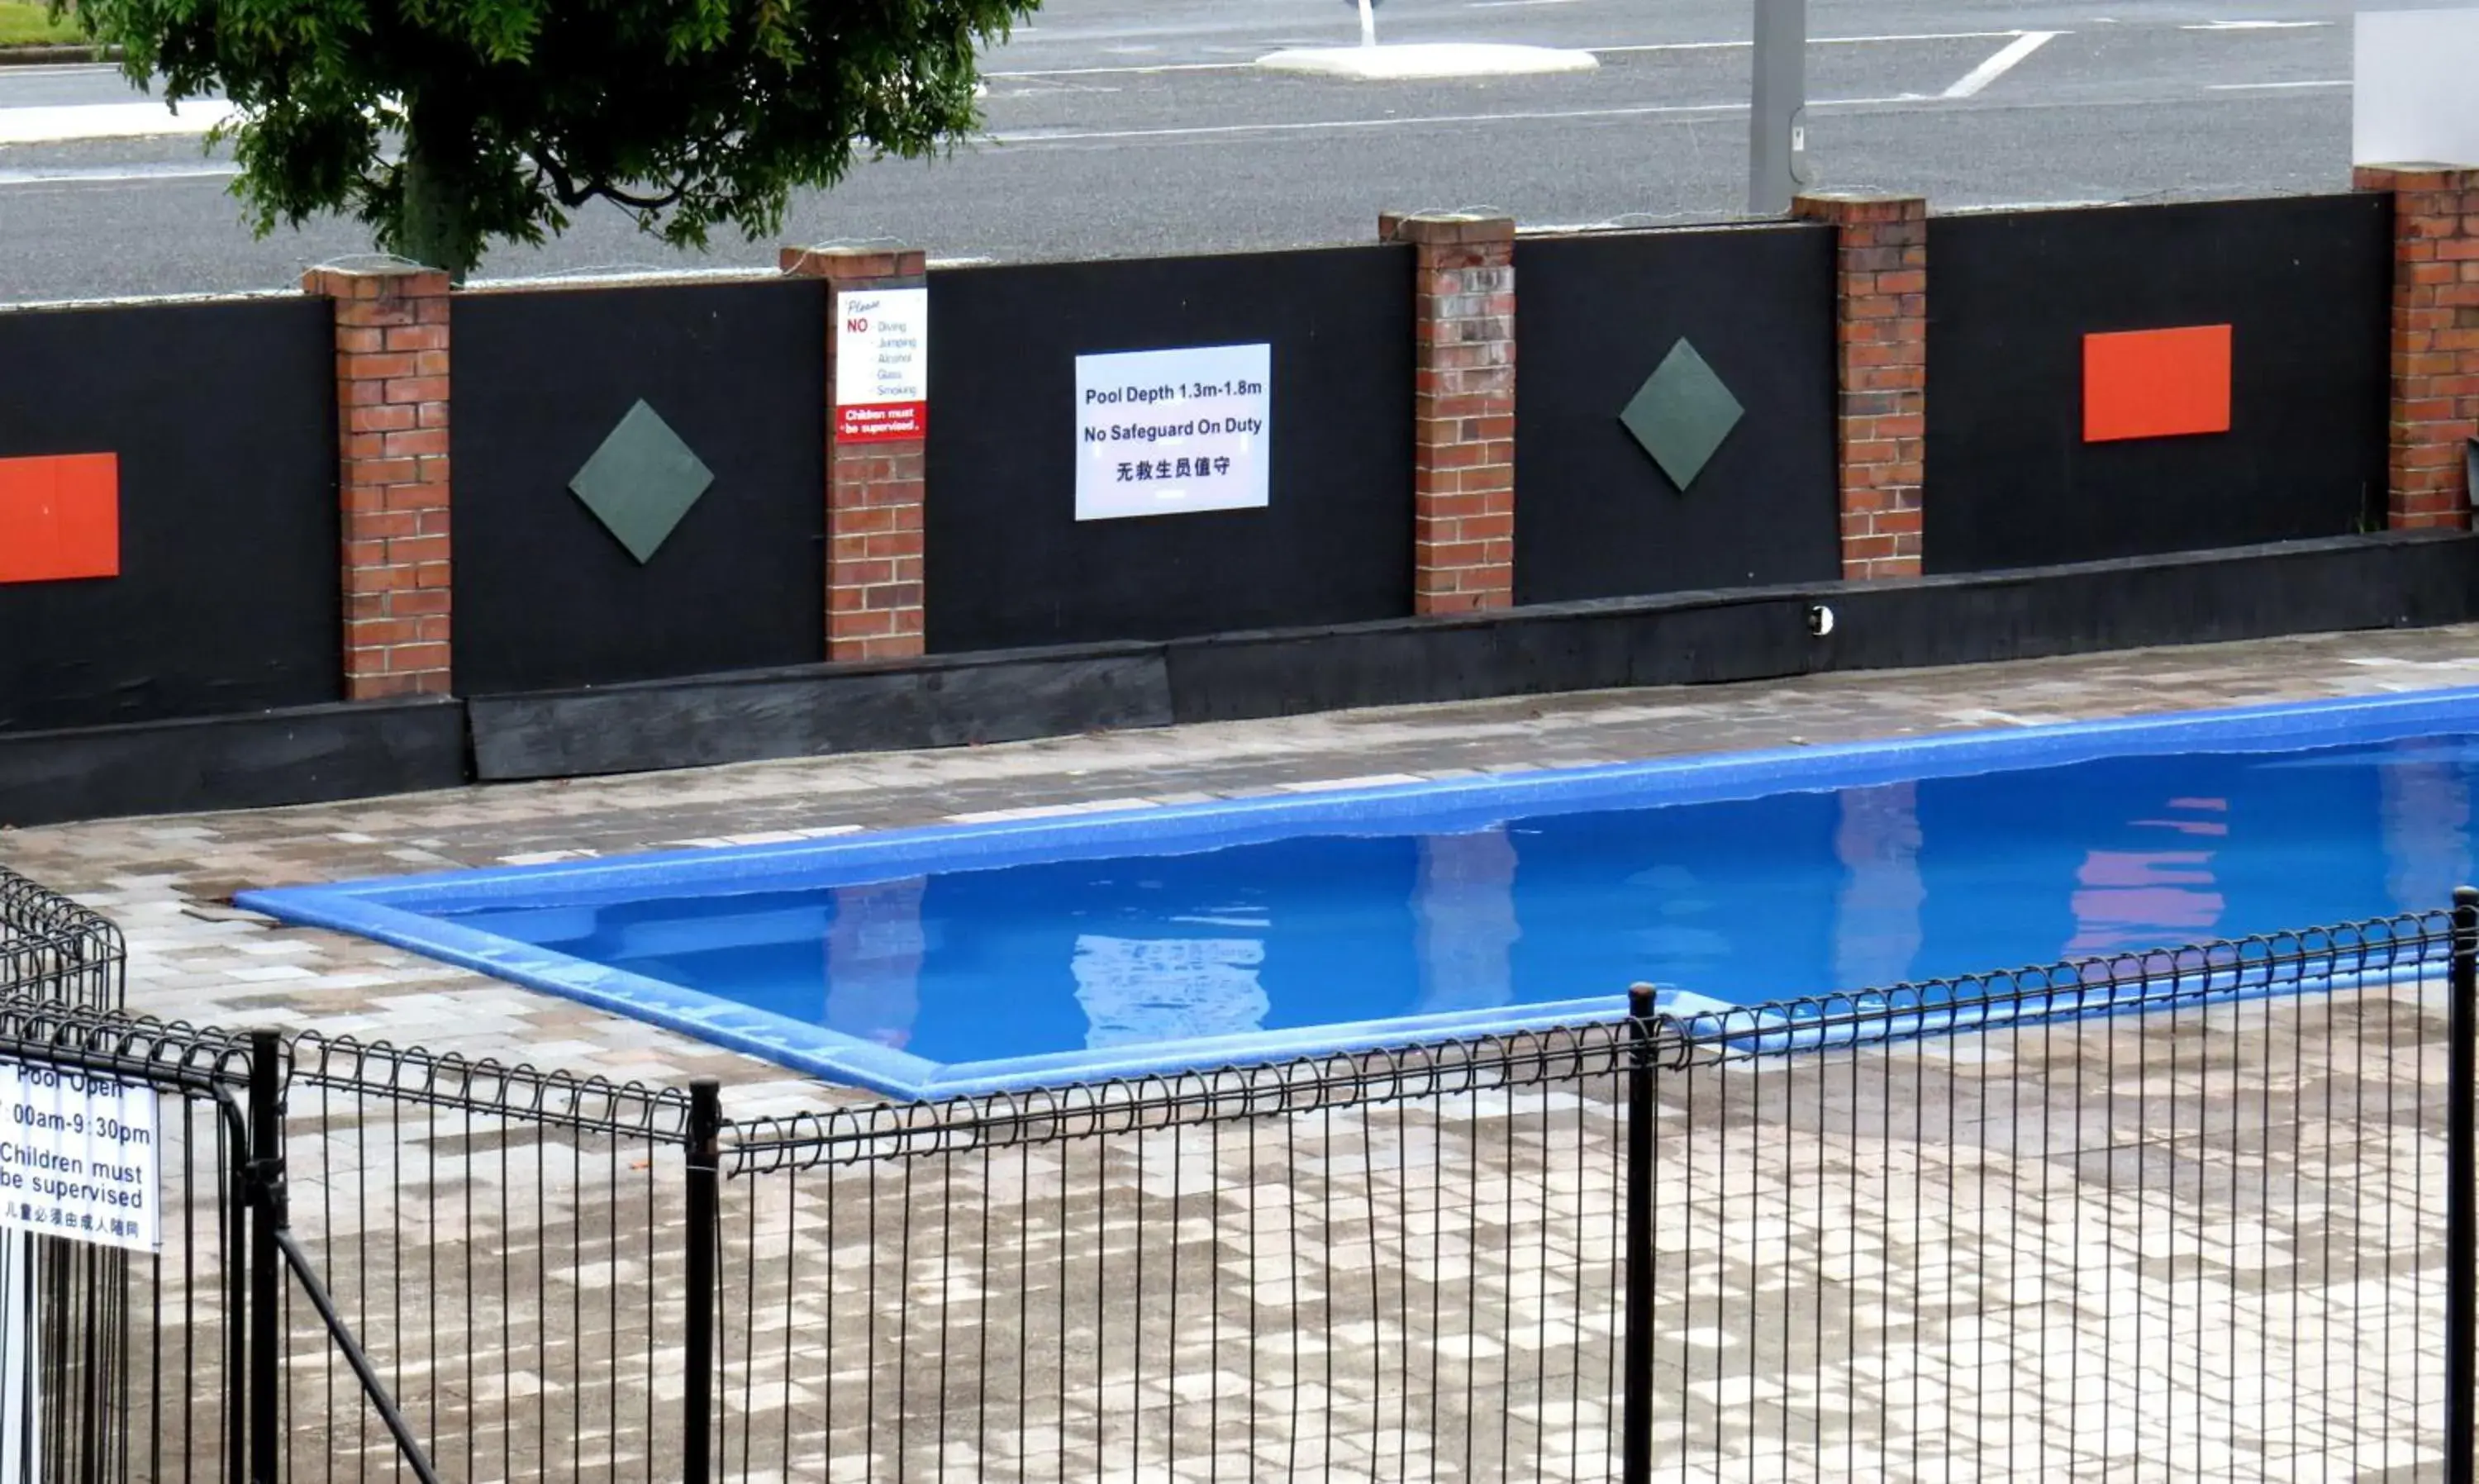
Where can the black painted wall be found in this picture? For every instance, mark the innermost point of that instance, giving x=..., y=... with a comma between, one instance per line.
x=1595, y=516
x=1007, y=563
x=545, y=596
x=222, y=416
x=2305, y=284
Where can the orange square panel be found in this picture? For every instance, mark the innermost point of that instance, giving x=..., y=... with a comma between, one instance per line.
x=60, y=518
x=2157, y=383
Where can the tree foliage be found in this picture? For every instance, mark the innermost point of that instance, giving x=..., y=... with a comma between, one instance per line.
x=449, y=124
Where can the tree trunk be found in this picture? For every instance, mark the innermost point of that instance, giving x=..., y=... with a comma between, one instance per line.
x=431, y=226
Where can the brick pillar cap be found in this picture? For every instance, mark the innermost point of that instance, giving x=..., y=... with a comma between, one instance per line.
x=2414, y=174
x=1446, y=228
x=1841, y=205
x=370, y=280
x=829, y=260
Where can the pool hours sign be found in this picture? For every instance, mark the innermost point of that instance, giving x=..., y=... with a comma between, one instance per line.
x=1169, y=432
x=78, y=1157
x=881, y=364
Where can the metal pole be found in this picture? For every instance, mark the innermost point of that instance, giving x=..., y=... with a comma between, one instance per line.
x=1777, y=108
x=265, y=1185
x=2461, y=1234
x=705, y=1238
x=1637, y=1418
x=237, y=1407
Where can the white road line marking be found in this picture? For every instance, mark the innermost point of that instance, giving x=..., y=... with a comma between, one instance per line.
x=2257, y=25
x=1364, y=123
x=1642, y=46
x=2272, y=87
x=1087, y=135
x=2007, y=57
x=1820, y=41
x=1677, y=46
x=1547, y=114
x=1166, y=67
x=1055, y=91
x=52, y=123
x=109, y=174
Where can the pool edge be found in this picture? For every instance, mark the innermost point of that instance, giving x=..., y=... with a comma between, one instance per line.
x=379, y=909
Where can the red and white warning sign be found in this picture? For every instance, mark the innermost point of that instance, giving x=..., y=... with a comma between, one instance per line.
x=881, y=364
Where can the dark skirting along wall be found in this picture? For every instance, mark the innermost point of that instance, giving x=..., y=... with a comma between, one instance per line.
x=296, y=754
x=1007, y=563
x=2304, y=286
x=1596, y=517
x=1675, y=639
x=546, y=594
x=222, y=420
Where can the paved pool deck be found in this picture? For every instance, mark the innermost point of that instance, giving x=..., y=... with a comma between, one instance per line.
x=168, y=879
x=2200, y=1242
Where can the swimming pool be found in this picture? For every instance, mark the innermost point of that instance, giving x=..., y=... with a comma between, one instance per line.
x=983, y=957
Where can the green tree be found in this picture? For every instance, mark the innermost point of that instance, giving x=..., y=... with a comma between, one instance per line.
x=450, y=124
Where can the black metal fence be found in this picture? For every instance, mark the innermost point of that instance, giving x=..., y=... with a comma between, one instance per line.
x=116, y=1365
x=513, y=1247
x=2168, y=1214
x=54, y=950
x=61, y=1354
x=1977, y=1229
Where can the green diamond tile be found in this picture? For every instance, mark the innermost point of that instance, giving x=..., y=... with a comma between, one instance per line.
x=641, y=481
x=1681, y=414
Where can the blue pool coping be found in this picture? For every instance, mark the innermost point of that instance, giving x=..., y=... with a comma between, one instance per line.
x=1870, y=1019
x=393, y=910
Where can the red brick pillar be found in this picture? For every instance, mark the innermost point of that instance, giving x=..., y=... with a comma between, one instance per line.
x=2436, y=340
x=874, y=489
x=392, y=436
x=1463, y=410
x=1881, y=366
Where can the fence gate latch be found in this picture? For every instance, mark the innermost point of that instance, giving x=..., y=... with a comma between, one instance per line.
x=262, y=1183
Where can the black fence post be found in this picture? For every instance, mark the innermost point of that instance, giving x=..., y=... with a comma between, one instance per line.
x=264, y=1183
x=234, y=1219
x=705, y=1238
x=2461, y=1229
x=1636, y=1419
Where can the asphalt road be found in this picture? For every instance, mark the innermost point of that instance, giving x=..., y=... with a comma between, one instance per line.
x=1130, y=127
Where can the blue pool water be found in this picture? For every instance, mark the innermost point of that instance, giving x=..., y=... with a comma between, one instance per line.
x=1739, y=901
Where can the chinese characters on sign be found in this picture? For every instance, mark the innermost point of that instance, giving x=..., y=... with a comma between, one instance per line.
x=881, y=364
x=1165, y=433
x=78, y=1157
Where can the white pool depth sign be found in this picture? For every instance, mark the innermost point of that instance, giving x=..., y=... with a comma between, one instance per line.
x=78, y=1157
x=1169, y=432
